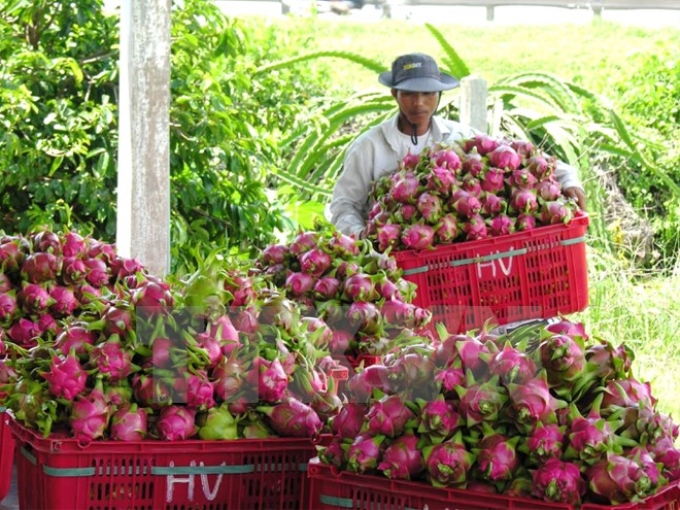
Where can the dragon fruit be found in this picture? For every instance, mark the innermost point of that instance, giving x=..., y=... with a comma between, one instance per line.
x=217, y=424
x=66, y=378
x=555, y=212
x=41, y=267
x=418, y=236
x=447, y=158
x=544, y=442
x=272, y=380
x=402, y=459
x=475, y=228
x=405, y=187
x=559, y=481
x=628, y=392
x=129, y=423
x=548, y=189
x=473, y=164
x=440, y=180
x=616, y=479
x=523, y=201
x=531, y=402
x=449, y=463
x=364, y=453
x=112, y=359
x=389, y=416
x=505, y=157
x=64, y=301
x=275, y=254
x=315, y=262
x=388, y=235
x=292, y=418
x=9, y=308
x=465, y=203
x=34, y=298
x=447, y=229
x=90, y=415
x=480, y=402
x=24, y=332
x=438, y=419
x=410, y=160
x=493, y=180
x=303, y=242
x=349, y=420
x=326, y=288
x=497, y=458
x=512, y=365
x=500, y=225
x=200, y=391
x=176, y=423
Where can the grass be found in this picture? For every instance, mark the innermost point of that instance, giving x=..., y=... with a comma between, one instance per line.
x=587, y=54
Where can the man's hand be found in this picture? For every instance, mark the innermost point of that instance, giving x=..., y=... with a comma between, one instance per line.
x=578, y=195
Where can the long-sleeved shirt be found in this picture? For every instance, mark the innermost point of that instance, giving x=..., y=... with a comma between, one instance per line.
x=378, y=151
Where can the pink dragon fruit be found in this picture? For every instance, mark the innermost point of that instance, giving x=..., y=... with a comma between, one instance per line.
x=531, y=402
x=512, y=365
x=200, y=391
x=524, y=148
x=559, y=481
x=555, y=212
x=405, y=188
x=628, y=393
x=388, y=236
x=480, y=402
x=548, y=189
x=497, y=459
x=90, y=415
x=9, y=308
x=41, y=267
x=75, y=336
x=521, y=178
x=176, y=423
x=362, y=384
x=97, y=272
x=505, y=157
x=272, y=380
x=359, y=287
x=484, y=143
x=447, y=158
x=544, y=442
x=475, y=228
x=523, y=201
x=563, y=357
x=440, y=180
x=349, y=420
x=402, y=460
x=447, y=230
x=493, y=180
x=333, y=454
x=24, y=332
x=405, y=213
x=472, y=185
x=540, y=166
x=364, y=453
x=590, y=437
x=342, y=245
x=298, y=284
x=34, y=298
x=448, y=463
x=303, y=242
x=73, y=271
x=438, y=419
x=616, y=480
x=473, y=164
x=525, y=222
x=315, y=262
x=129, y=423
x=112, y=360
x=465, y=203
x=410, y=161
x=389, y=416
x=66, y=379
x=64, y=302
x=275, y=254
x=430, y=207
x=500, y=225
x=292, y=418
x=418, y=236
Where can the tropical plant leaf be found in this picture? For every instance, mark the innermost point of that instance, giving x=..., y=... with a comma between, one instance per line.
x=454, y=64
x=368, y=63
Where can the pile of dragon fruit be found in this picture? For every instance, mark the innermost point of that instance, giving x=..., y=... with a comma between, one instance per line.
x=543, y=412
x=350, y=294
x=93, y=345
x=477, y=188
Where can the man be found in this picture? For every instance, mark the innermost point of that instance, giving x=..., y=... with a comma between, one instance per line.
x=416, y=84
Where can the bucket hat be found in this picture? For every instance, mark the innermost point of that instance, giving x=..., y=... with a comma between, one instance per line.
x=417, y=72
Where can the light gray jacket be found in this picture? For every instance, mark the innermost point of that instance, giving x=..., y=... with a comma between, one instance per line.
x=378, y=151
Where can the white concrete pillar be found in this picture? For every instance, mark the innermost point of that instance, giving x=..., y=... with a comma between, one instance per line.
x=473, y=97
x=143, y=221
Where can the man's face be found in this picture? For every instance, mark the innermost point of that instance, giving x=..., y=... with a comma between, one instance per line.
x=418, y=107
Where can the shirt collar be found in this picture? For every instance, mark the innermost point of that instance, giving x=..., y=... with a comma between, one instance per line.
x=438, y=132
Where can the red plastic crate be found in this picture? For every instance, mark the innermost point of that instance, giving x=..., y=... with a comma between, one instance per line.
x=6, y=453
x=58, y=473
x=528, y=275
x=334, y=490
